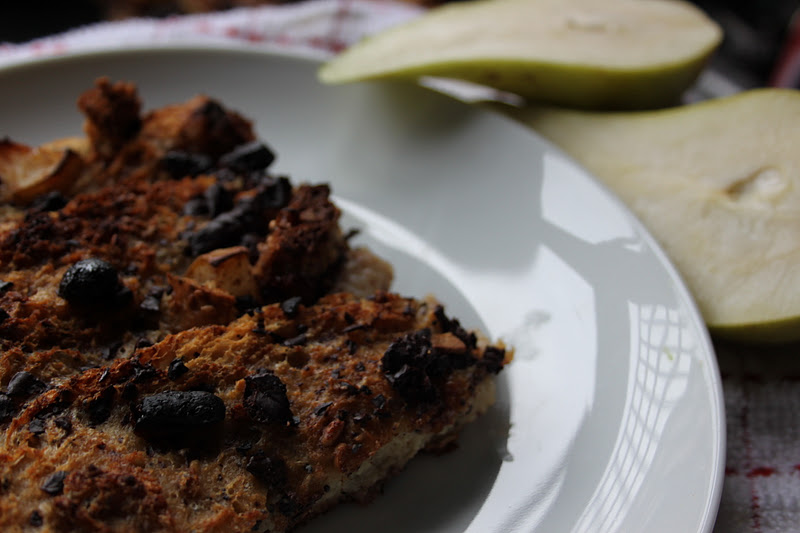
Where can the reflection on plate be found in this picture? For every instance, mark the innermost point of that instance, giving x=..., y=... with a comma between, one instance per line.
x=610, y=417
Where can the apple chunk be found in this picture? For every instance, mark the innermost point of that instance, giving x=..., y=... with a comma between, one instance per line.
x=623, y=54
x=718, y=184
x=27, y=172
x=227, y=269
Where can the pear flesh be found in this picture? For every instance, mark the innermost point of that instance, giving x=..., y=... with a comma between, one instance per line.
x=718, y=185
x=609, y=54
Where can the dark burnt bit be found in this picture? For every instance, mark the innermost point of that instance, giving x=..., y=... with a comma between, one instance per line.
x=176, y=369
x=493, y=359
x=150, y=305
x=24, y=385
x=291, y=306
x=171, y=414
x=54, y=484
x=6, y=408
x=298, y=340
x=93, y=283
x=271, y=471
x=142, y=373
x=37, y=426
x=179, y=163
x=50, y=201
x=321, y=409
x=99, y=408
x=35, y=519
x=212, y=130
x=64, y=424
x=109, y=351
x=113, y=113
x=247, y=157
x=452, y=325
x=265, y=399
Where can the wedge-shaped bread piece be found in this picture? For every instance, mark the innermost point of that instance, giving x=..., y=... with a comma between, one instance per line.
x=255, y=426
x=623, y=54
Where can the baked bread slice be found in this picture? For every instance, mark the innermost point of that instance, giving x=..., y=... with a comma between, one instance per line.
x=189, y=342
x=258, y=425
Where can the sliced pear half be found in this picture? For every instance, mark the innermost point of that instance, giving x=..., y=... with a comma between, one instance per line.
x=718, y=184
x=606, y=54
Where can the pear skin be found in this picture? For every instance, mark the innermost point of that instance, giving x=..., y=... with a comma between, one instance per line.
x=609, y=54
x=718, y=185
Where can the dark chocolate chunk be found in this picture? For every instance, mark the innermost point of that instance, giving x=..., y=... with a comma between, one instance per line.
x=246, y=157
x=270, y=471
x=173, y=412
x=195, y=207
x=176, y=369
x=54, y=485
x=265, y=399
x=24, y=385
x=218, y=199
x=4, y=315
x=5, y=286
x=93, y=283
x=36, y=520
x=291, y=306
x=180, y=164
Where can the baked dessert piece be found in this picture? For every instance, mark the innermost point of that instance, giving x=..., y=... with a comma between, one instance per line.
x=254, y=426
x=157, y=223
x=189, y=343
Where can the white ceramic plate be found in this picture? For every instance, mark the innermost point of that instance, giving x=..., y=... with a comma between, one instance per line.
x=610, y=417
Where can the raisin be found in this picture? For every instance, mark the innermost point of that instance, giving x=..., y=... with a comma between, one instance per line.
x=179, y=164
x=93, y=282
x=174, y=412
x=271, y=471
x=247, y=157
x=405, y=365
x=54, y=485
x=24, y=385
x=176, y=369
x=265, y=399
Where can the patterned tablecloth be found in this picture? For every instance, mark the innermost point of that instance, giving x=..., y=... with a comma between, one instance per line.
x=761, y=386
